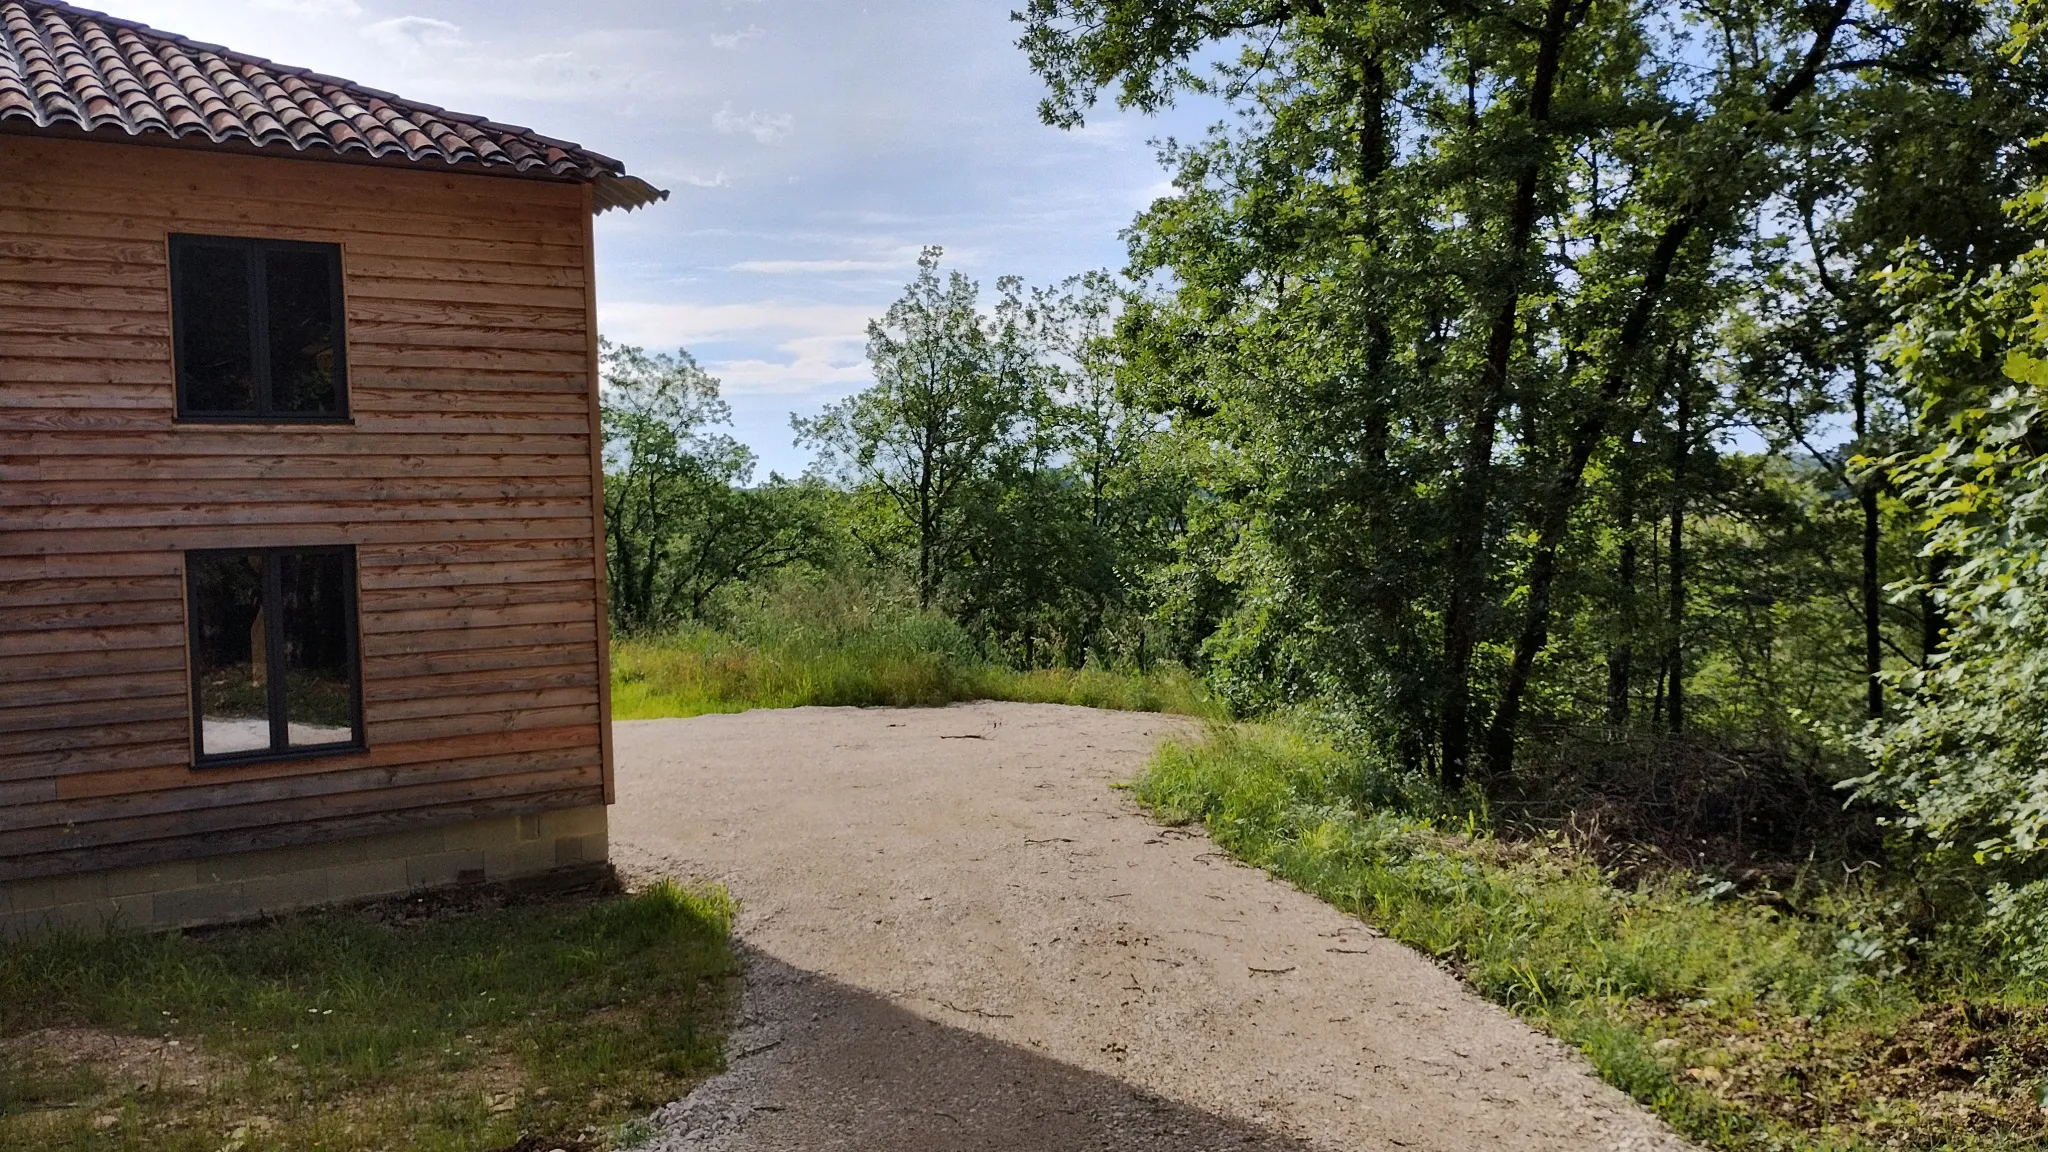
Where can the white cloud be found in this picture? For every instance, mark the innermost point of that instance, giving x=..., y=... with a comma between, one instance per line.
x=822, y=346
x=806, y=267
x=466, y=75
x=667, y=325
x=416, y=37
x=764, y=127
x=1156, y=191
x=717, y=179
x=313, y=7
x=731, y=40
x=801, y=375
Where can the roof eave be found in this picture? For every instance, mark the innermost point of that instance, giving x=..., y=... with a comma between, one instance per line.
x=610, y=191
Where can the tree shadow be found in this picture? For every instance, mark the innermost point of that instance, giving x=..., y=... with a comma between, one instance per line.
x=819, y=1064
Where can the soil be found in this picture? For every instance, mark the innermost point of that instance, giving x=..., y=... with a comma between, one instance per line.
x=124, y=1063
x=960, y=935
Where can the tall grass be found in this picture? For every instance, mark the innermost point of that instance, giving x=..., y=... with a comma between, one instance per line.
x=1749, y=1024
x=835, y=642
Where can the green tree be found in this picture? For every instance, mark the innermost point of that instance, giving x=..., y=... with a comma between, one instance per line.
x=1423, y=292
x=1965, y=757
x=951, y=386
x=1916, y=150
x=1122, y=490
x=681, y=522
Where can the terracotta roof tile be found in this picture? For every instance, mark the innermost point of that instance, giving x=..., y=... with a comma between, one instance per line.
x=66, y=67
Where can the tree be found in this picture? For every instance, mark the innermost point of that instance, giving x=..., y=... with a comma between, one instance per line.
x=950, y=388
x=1425, y=290
x=1964, y=756
x=1916, y=151
x=1125, y=490
x=680, y=521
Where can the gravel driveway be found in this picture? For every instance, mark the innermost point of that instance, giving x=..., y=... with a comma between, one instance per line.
x=960, y=936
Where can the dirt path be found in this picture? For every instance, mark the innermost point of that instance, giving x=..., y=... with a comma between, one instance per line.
x=960, y=937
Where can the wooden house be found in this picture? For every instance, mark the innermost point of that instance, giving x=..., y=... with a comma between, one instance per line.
x=301, y=560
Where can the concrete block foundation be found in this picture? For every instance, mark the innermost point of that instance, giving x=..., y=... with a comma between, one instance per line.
x=223, y=889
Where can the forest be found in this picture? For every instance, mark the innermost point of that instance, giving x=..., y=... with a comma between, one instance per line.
x=1610, y=426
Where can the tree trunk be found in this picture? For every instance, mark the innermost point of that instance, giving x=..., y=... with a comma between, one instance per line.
x=1591, y=428
x=1621, y=656
x=1933, y=621
x=1873, y=639
x=1474, y=493
x=928, y=452
x=1681, y=450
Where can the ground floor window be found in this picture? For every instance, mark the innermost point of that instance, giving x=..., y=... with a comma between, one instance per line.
x=274, y=664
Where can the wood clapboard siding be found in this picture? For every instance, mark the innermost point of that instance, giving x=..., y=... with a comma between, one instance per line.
x=465, y=480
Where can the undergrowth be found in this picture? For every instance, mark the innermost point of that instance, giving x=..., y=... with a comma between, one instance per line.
x=1749, y=1021
x=798, y=643
x=409, y=1024
x=700, y=671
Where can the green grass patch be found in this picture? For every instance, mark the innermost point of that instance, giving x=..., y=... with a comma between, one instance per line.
x=555, y=1022
x=908, y=664
x=1747, y=1025
x=854, y=639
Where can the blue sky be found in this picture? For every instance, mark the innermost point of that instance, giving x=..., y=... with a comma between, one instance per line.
x=810, y=147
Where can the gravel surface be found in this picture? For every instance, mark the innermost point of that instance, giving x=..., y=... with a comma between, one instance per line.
x=960, y=936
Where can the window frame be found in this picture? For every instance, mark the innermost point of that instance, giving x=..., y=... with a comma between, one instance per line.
x=273, y=657
x=255, y=268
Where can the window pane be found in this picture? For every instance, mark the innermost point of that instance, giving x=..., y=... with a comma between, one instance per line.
x=215, y=370
x=303, y=342
x=226, y=592
x=319, y=705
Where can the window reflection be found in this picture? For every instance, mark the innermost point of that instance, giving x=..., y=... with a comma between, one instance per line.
x=318, y=689
x=273, y=650
x=230, y=647
x=300, y=284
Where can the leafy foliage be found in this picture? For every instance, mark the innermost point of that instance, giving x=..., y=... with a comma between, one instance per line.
x=1966, y=761
x=1461, y=315
x=681, y=523
x=832, y=639
x=997, y=461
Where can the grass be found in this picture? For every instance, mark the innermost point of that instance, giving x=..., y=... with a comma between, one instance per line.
x=547, y=1024
x=702, y=670
x=231, y=693
x=852, y=638
x=1748, y=1023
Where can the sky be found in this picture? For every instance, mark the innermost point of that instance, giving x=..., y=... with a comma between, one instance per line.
x=811, y=147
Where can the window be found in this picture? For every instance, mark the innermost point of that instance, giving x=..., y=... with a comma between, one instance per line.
x=257, y=325
x=274, y=668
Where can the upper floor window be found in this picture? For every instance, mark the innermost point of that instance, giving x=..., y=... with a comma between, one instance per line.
x=257, y=325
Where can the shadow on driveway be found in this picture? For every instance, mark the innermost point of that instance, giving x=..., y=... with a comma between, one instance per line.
x=819, y=1064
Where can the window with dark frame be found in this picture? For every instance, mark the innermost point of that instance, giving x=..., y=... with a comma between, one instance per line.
x=257, y=326
x=275, y=672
